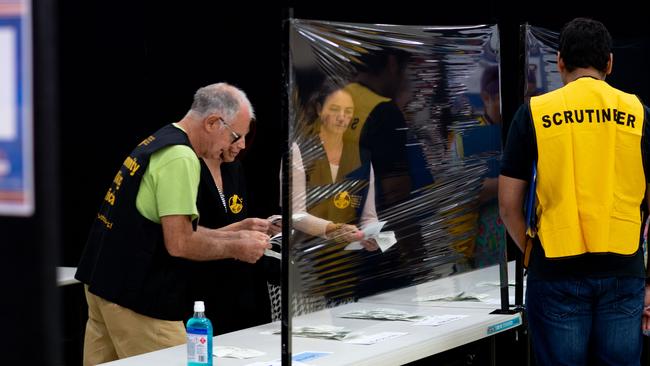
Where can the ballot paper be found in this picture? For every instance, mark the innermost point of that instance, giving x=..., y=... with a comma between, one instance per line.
x=436, y=320
x=382, y=314
x=319, y=331
x=374, y=338
x=276, y=363
x=275, y=219
x=236, y=352
x=372, y=230
x=297, y=359
x=273, y=254
x=492, y=283
x=276, y=242
x=456, y=296
x=308, y=356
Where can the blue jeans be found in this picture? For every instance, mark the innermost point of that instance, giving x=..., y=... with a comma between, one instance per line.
x=600, y=317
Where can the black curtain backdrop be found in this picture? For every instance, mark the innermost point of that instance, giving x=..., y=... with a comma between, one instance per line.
x=128, y=71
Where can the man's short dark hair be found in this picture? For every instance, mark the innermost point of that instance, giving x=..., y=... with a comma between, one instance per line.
x=585, y=43
x=375, y=61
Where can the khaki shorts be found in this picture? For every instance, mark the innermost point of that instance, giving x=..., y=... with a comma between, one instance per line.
x=114, y=332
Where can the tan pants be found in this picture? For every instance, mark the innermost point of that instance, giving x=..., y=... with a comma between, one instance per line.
x=114, y=332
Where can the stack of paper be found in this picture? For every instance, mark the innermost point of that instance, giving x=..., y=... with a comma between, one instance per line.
x=236, y=352
x=458, y=296
x=382, y=314
x=319, y=331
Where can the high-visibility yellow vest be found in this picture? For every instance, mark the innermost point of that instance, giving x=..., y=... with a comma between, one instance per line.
x=365, y=101
x=590, y=178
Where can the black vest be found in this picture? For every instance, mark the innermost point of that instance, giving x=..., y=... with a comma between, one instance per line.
x=125, y=260
x=235, y=293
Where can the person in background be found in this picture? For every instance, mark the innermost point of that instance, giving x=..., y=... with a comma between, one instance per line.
x=235, y=292
x=378, y=125
x=333, y=186
x=490, y=96
x=144, y=244
x=482, y=143
x=379, y=128
x=322, y=157
x=491, y=238
x=589, y=145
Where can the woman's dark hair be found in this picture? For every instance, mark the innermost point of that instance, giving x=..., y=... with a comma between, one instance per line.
x=329, y=86
x=585, y=43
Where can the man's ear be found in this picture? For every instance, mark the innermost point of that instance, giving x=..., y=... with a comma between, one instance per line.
x=610, y=62
x=211, y=122
x=560, y=64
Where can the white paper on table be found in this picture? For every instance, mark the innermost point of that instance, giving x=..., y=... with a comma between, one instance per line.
x=382, y=314
x=492, y=283
x=436, y=320
x=308, y=356
x=276, y=363
x=458, y=296
x=236, y=352
x=374, y=338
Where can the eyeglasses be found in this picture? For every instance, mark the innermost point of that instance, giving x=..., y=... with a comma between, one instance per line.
x=235, y=136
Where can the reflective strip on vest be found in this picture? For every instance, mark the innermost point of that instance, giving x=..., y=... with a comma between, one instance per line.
x=590, y=180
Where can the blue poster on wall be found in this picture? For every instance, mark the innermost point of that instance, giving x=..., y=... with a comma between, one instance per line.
x=16, y=147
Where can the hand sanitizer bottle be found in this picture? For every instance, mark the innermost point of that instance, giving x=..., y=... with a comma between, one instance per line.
x=199, y=337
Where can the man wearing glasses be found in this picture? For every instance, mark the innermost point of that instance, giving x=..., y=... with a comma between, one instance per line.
x=234, y=135
x=144, y=243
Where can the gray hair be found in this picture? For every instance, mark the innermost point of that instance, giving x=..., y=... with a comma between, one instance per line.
x=220, y=97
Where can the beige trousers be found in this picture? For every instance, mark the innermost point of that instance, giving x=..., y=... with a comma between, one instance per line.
x=114, y=332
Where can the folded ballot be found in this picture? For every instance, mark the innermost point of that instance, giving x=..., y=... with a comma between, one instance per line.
x=384, y=240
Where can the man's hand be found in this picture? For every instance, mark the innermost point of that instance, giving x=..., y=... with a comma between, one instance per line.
x=250, y=246
x=254, y=224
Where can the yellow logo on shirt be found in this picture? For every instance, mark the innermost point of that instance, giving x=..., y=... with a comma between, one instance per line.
x=342, y=200
x=235, y=203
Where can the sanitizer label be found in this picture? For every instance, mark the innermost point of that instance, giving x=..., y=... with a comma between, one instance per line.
x=197, y=345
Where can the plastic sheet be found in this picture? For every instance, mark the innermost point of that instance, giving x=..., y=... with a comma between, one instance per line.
x=542, y=74
x=390, y=123
x=630, y=58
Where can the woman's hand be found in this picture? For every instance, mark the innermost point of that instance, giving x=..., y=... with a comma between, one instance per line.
x=370, y=245
x=343, y=233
